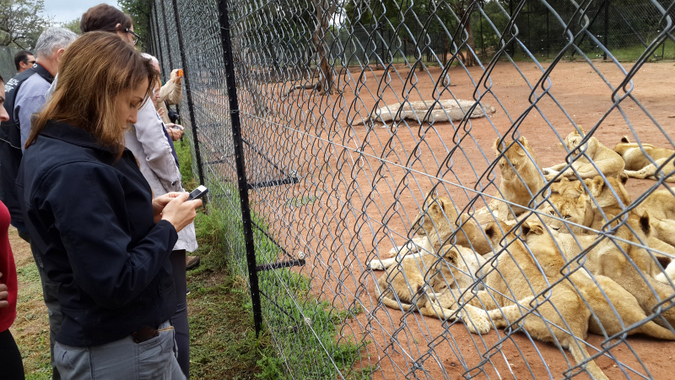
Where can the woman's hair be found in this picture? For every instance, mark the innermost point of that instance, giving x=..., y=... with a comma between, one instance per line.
x=94, y=70
x=104, y=17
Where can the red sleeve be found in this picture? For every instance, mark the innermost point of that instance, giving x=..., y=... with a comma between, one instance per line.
x=8, y=270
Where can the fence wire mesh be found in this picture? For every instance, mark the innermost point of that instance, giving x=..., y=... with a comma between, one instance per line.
x=494, y=155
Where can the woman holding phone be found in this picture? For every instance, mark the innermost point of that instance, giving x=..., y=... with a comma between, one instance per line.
x=98, y=231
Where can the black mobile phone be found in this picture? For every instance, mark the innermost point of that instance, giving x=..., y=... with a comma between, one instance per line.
x=198, y=192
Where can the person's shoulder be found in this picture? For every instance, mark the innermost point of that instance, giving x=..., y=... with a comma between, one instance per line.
x=34, y=86
x=38, y=82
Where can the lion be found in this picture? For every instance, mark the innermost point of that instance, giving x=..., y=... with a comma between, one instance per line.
x=521, y=177
x=571, y=207
x=513, y=289
x=438, y=222
x=570, y=202
x=594, y=158
x=642, y=160
x=613, y=306
x=624, y=259
x=416, y=276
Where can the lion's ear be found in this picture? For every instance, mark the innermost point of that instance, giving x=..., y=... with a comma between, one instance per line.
x=625, y=140
x=495, y=146
x=644, y=223
x=523, y=143
x=581, y=130
x=492, y=230
x=532, y=227
x=555, y=187
x=596, y=185
x=451, y=255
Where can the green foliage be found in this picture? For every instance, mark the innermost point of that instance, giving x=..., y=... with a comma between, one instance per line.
x=21, y=23
x=184, y=153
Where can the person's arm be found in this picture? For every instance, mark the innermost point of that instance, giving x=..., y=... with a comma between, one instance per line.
x=29, y=100
x=89, y=209
x=172, y=90
x=156, y=149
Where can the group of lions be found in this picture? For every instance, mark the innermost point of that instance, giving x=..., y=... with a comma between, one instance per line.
x=560, y=252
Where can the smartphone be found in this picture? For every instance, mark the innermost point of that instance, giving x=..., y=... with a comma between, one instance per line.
x=179, y=73
x=198, y=192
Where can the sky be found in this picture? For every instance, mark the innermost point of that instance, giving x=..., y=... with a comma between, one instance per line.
x=67, y=10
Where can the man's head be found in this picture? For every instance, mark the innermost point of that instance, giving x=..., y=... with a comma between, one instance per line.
x=51, y=45
x=106, y=18
x=23, y=60
x=153, y=60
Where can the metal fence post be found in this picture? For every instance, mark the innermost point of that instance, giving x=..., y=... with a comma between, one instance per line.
x=193, y=122
x=159, y=39
x=239, y=158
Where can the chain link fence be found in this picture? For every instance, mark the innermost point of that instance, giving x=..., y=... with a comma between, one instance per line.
x=7, y=69
x=473, y=148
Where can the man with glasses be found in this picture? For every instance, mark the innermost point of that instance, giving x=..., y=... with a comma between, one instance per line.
x=26, y=93
x=23, y=60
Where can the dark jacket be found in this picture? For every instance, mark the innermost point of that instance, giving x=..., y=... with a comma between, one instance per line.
x=10, y=142
x=90, y=218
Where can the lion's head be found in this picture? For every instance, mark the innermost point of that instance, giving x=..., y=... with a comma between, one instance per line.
x=437, y=210
x=517, y=158
x=568, y=203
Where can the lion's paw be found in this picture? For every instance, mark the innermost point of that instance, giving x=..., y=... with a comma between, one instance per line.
x=376, y=265
x=478, y=321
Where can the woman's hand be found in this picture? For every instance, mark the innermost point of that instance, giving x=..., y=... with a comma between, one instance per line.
x=179, y=211
x=160, y=202
x=4, y=294
x=175, y=131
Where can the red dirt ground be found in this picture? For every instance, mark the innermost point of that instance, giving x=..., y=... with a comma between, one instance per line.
x=369, y=168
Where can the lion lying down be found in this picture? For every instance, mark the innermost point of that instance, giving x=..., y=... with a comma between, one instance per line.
x=642, y=160
x=571, y=202
x=596, y=159
x=438, y=224
x=515, y=287
x=411, y=283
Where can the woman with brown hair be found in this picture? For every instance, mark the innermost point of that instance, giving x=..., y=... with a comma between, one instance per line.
x=96, y=228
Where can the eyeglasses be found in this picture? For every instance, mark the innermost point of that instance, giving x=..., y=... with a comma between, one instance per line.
x=136, y=36
x=31, y=62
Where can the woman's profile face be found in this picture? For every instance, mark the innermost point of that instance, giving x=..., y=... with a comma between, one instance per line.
x=129, y=102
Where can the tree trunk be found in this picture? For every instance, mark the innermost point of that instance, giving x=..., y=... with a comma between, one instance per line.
x=469, y=57
x=327, y=85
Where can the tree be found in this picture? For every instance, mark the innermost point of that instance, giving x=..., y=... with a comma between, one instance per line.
x=420, y=17
x=21, y=23
x=140, y=11
x=73, y=25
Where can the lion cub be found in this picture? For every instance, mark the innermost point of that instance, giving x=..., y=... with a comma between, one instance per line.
x=594, y=157
x=418, y=277
x=515, y=287
x=571, y=207
x=521, y=177
x=643, y=159
x=614, y=307
x=438, y=224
